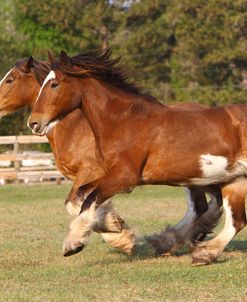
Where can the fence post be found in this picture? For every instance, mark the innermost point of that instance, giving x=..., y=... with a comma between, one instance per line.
x=16, y=162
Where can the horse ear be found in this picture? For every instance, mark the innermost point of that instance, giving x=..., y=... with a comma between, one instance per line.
x=51, y=57
x=64, y=59
x=28, y=64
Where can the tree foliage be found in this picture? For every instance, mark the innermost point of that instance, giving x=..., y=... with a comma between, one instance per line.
x=180, y=50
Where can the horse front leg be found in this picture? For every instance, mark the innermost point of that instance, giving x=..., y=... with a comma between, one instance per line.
x=176, y=236
x=235, y=220
x=114, y=229
x=109, y=224
x=82, y=226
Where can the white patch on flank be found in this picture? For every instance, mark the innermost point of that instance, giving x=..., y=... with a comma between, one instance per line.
x=4, y=78
x=189, y=218
x=51, y=75
x=212, y=165
x=215, y=169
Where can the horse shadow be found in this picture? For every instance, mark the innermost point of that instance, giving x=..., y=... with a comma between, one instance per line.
x=144, y=251
x=237, y=245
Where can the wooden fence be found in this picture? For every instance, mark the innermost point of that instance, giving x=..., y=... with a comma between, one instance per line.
x=29, y=173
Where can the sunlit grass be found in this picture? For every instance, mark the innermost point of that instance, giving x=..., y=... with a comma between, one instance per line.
x=34, y=222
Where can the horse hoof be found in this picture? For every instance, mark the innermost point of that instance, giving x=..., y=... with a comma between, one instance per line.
x=200, y=262
x=158, y=248
x=70, y=252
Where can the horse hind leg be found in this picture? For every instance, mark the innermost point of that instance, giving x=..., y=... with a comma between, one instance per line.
x=176, y=236
x=209, y=219
x=235, y=220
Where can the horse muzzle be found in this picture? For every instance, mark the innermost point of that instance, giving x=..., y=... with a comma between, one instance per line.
x=39, y=128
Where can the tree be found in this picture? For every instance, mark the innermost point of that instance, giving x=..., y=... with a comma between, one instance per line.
x=74, y=25
x=31, y=29
x=210, y=54
x=145, y=41
x=8, y=33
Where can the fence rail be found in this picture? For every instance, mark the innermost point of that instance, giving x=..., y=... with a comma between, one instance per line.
x=22, y=139
x=23, y=166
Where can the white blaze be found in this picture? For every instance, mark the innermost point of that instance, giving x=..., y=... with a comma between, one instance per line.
x=4, y=78
x=51, y=75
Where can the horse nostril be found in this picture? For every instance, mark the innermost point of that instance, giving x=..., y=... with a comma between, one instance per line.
x=34, y=125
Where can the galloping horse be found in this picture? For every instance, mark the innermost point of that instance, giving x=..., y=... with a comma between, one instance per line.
x=19, y=88
x=140, y=141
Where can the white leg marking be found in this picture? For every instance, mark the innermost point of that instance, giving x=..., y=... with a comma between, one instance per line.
x=79, y=231
x=229, y=231
x=73, y=209
x=82, y=226
x=189, y=218
x=4, y=78
x=216, y=245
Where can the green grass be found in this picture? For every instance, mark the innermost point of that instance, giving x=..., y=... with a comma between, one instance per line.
x=33, y=223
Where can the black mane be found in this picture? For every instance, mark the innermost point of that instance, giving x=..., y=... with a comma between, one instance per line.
x=98, y=64
x=40, y=68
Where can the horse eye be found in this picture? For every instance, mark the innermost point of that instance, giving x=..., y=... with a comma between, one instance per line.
x=9, y=81
x=54, y=84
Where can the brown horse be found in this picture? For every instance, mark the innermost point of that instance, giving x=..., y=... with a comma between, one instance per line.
x=20, y=88
x=141, y=141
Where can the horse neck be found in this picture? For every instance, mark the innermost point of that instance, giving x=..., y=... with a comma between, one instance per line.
x=103, y=105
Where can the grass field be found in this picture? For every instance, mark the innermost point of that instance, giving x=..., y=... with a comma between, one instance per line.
x=34, y=222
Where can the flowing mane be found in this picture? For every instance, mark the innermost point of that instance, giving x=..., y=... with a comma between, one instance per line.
x=40, y=68
x=98, y=64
